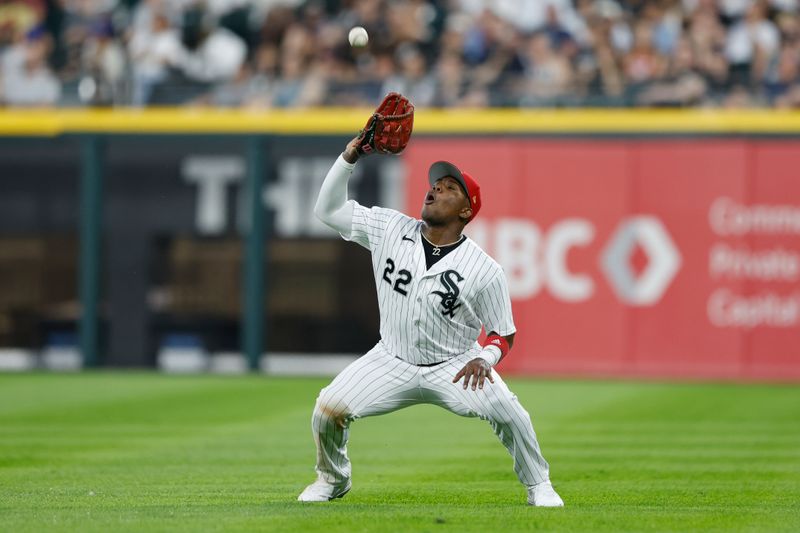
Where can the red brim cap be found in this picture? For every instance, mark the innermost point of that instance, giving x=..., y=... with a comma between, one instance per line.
x=443, y=169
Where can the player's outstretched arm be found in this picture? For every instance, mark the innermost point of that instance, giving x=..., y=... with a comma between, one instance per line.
x=332, y=206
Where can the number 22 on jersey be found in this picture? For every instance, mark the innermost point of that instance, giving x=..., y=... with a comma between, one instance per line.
x=403, y=277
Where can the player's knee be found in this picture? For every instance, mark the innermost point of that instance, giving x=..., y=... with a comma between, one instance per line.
x=330, y=409
x=503, y=412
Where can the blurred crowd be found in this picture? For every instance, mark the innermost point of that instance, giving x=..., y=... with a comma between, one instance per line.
x=441, y=53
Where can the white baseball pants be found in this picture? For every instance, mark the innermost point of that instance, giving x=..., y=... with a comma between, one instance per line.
x=379, y=383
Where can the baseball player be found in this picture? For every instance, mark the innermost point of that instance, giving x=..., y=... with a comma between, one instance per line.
x=436, y=289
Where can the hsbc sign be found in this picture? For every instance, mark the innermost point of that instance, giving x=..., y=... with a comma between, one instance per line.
x=643, y=256
x=536, y=260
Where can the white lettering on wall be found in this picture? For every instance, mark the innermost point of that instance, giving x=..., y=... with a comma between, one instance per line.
x=727, y=217
x=517, y=245
x=533, y=259
x=774, y=264
x=728, y=309
x=212, y=175
x=562, y=237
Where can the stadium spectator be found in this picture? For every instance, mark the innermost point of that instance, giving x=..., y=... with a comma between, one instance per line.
x=302, y=79
x=27, y=78
x=154, y=49
x=18, y=17
x=782, y=74
x=548, y=73
x=707, y=38
x=81, y=18
x=681, y=85
x=103, y=65
x=643, y=64
x=750, y=45
x=211, y=53
x=451, y=81
x=413, y=78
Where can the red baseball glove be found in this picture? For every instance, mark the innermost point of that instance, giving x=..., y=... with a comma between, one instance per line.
x=389, y=128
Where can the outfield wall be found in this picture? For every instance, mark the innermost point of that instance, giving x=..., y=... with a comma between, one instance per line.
x=640, y=257
x=637, y=243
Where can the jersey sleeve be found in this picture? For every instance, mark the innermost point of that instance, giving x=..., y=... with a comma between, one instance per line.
x=369, y=225
x=493, y=306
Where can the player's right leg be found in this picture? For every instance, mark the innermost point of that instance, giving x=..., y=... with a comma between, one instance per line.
x=376, y=383
x=510, y=421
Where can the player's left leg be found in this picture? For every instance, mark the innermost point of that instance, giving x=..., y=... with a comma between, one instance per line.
x=510, y=421
x=375, y=384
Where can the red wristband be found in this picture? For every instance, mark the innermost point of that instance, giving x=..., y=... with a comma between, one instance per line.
x=498, y=341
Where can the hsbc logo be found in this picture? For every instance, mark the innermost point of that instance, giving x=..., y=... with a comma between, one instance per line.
x=534, y=260
x=663, y=263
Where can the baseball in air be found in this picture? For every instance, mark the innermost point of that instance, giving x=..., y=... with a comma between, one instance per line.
x=358, y=37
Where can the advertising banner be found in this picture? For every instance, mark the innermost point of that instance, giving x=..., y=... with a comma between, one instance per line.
x=639, y=257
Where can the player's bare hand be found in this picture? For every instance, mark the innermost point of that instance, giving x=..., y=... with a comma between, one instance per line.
x=477, y=371
x=350, y=153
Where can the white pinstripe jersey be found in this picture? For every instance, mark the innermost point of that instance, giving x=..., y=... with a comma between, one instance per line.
x=429, y=316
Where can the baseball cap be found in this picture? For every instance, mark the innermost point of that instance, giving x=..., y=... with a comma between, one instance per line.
x=442, y=169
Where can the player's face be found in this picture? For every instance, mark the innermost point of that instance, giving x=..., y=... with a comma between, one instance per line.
x=445, y=202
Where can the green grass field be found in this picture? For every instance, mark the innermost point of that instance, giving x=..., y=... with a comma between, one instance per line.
x=147, y=452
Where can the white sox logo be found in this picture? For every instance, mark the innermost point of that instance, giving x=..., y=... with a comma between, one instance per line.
x=450, y=295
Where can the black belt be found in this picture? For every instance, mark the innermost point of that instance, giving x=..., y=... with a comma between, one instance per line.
x=424, y=364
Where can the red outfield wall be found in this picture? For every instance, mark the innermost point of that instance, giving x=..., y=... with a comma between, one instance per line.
x=663, y=258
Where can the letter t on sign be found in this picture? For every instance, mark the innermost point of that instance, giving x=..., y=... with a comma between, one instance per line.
x=212, y=175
